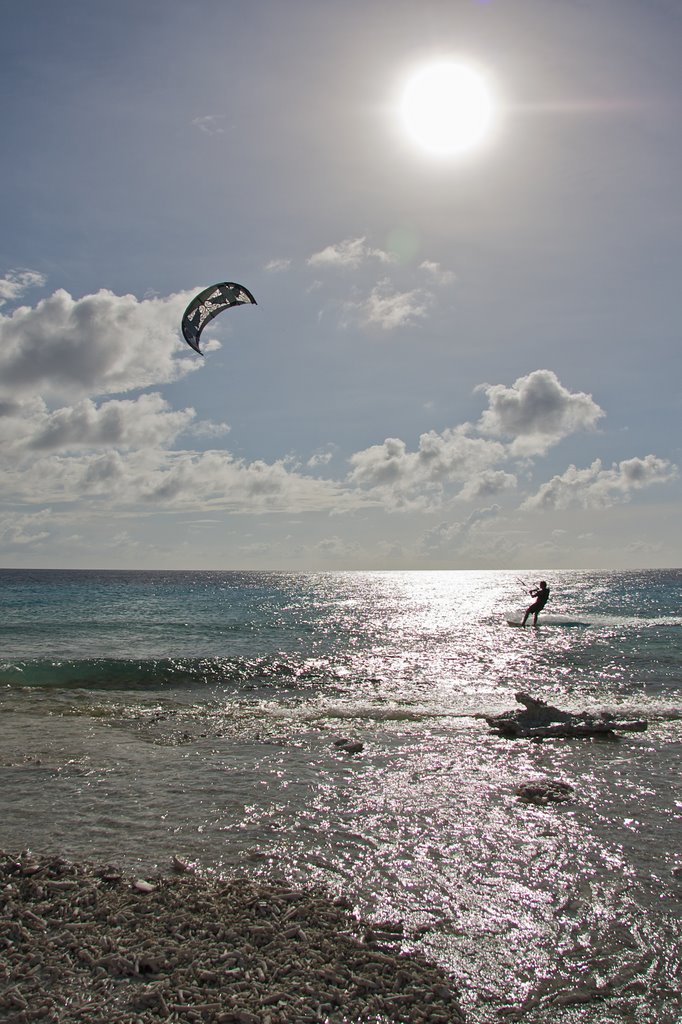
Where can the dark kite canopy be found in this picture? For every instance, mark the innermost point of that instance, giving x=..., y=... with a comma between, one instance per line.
x=207, y=304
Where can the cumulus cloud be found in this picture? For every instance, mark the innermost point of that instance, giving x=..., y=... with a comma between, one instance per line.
x=207, y=428
x=444, y=535
x=18, y=422
x=352, y=252
x=216, y=479
x=147, y=421
x=458, y=464
x=388, y=309
x=537, y=411
x=437, y=272
x=385, y=303
x=23, y=530
x=16, y=282
x=487, y=484
x=99, y=344
x=321, y=457
x=399, y=477
x=161, y=480
x=598, y=488
x=29, y=427
x=64, y=441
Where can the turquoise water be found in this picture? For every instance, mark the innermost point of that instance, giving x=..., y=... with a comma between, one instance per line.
x=194, y=629
x=150, y=714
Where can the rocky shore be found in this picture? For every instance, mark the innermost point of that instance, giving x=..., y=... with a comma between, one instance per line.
x=85, y=945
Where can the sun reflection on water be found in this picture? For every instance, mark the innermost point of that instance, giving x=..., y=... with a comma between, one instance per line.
x=422, y=825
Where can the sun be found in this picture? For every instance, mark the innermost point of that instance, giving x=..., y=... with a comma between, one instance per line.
x=447, y=108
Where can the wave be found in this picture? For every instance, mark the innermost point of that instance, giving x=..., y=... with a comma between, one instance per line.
x=630, y=623
x=155, y=673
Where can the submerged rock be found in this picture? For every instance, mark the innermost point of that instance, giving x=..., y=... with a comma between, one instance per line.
x=536, y=791
x=539, y=720
x=349, y=746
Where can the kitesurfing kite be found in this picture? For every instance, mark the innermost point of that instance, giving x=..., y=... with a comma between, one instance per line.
x=207, y=304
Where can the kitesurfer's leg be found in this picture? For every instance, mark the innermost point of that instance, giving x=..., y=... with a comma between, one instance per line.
x=534, y=609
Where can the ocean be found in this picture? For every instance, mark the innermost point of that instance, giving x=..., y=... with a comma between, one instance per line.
x=198, y=714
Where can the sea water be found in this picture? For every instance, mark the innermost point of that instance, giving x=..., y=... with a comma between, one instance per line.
x=147, y=714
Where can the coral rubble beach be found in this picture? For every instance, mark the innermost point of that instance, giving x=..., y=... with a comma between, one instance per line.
x=84, y=944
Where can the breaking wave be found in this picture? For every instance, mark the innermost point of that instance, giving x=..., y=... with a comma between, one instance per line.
x=158, y=673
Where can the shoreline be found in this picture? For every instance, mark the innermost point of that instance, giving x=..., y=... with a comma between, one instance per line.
x=84, y=944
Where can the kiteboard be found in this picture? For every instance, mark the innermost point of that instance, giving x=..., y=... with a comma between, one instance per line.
x=548, y=622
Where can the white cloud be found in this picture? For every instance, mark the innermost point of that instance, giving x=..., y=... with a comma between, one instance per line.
x=336, y=548
x=277, y=266
x=399, y=477
x=147, y=421
x=99, y=344
x=207, y=428
x=598, y=488
x=385, y=304
x=209, y=124
x=320, y=458
x=438, y=273
x=537, y=411
x=643, y=547
x=216, y=480
x=444, y=536
x=18, y=421
x=16, y=282
x=170, y=480
x=256, y=548
x=95, y=458
x=487, y=484
x=29, y=427
x=352, y=252
x=22, y=530
x=389, y=309
x=540, y=410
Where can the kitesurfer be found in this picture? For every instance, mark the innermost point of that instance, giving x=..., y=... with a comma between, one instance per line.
x=541, y=595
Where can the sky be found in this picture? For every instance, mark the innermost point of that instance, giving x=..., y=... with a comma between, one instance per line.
x=464, y=360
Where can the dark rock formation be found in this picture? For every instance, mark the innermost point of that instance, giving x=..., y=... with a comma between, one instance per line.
x=539, y=720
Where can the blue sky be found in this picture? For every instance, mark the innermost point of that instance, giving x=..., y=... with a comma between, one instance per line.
x=460, y=362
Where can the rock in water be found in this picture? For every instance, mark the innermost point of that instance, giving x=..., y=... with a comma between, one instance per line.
x=539, y=720
x=536, y=791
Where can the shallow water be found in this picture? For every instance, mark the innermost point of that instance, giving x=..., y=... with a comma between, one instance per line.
x=148, y=714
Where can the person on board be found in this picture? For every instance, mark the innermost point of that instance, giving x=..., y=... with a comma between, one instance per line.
x=541, y=595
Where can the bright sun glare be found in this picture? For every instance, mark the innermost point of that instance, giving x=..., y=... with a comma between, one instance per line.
x=447, y=108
